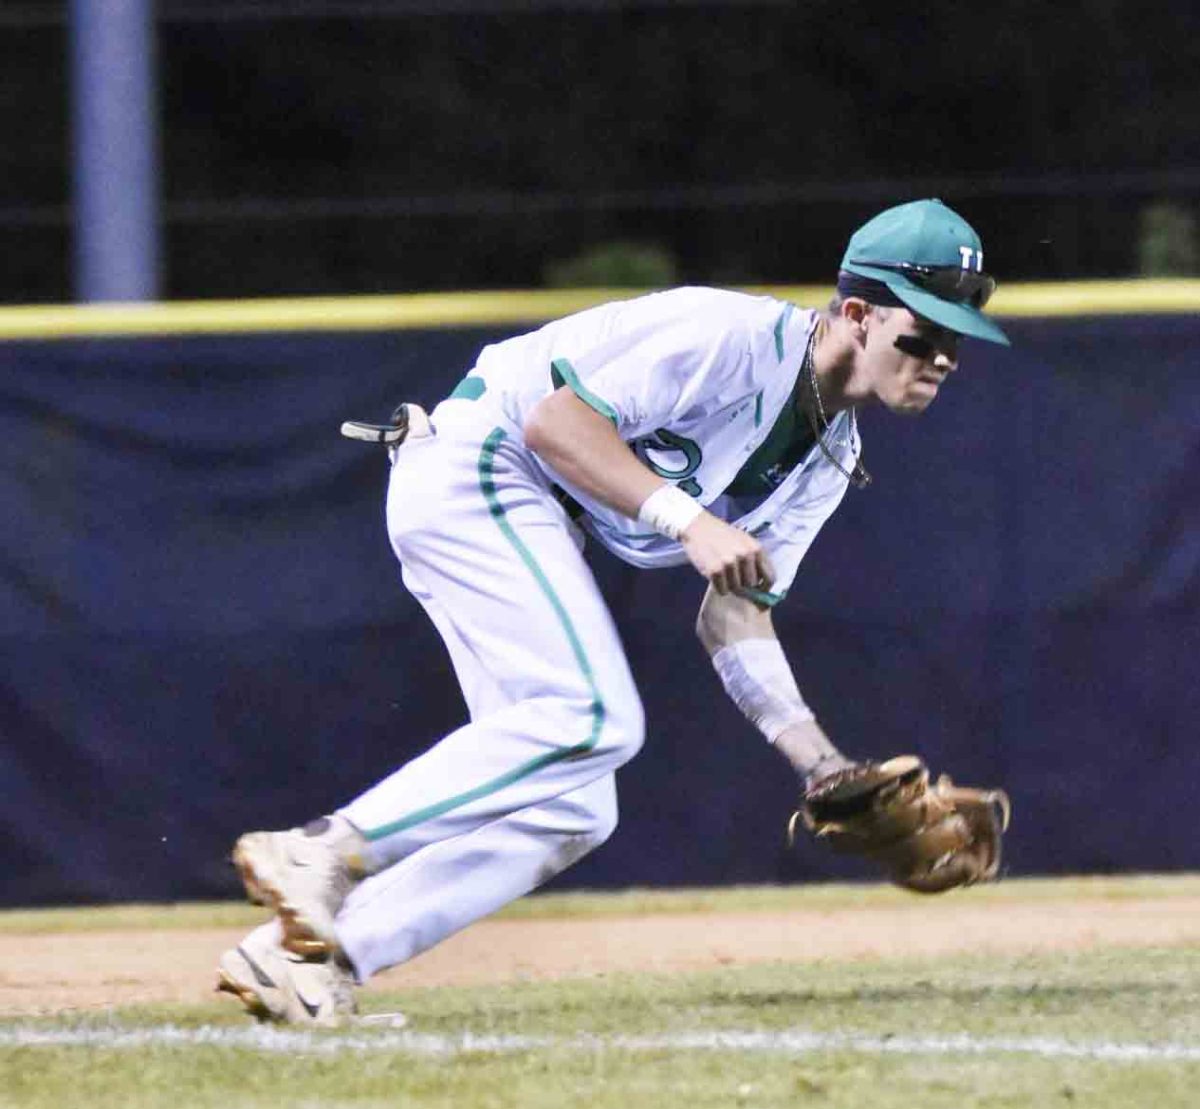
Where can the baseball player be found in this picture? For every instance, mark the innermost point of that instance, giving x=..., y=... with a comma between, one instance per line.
x=697, y=426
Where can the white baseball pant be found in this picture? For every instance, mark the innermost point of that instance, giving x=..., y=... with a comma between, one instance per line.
x=525, y=788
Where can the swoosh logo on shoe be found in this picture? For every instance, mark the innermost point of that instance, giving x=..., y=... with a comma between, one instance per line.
x=312, y=1008
x=260, y=975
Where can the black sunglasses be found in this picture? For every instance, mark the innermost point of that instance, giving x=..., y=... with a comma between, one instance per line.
x=954, y=283
x=915, y=345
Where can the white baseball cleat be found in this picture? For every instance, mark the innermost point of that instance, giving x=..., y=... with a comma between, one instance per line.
x=276, y=985
x=305, y=876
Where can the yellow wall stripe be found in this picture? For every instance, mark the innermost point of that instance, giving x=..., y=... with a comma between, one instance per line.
x=423, y=310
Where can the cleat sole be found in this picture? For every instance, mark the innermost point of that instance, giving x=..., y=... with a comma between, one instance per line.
x=250, y=1000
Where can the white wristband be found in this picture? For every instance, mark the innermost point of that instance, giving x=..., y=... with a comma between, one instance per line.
x=758, y=679
x=669, y=510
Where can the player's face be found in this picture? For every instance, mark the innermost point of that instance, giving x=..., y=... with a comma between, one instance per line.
x=908, y=357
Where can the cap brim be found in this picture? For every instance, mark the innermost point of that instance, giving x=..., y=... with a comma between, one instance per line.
x=960, y=318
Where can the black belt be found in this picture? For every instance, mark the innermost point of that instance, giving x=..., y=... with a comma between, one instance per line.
x=573, y=508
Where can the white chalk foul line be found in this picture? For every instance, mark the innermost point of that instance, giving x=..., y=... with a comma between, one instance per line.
x=794, y=1042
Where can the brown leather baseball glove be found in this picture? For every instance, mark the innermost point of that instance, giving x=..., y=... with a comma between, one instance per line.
x=928, y=836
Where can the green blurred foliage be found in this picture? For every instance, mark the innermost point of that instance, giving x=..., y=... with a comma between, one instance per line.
x=617, y=265
x=1167, y=242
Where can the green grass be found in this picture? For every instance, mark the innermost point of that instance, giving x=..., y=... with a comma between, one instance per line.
x=1146, y=997
x=1117, y=996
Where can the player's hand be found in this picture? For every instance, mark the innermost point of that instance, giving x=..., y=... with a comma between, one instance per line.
x=728, y=557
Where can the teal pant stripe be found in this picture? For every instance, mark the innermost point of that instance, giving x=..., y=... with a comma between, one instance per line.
x=487, y=484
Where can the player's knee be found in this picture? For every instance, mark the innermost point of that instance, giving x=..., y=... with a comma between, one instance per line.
x=606, y=824
x=601, y=818
x=582, y=820
x=598, y=833
x=625, y=728
x=616, y=724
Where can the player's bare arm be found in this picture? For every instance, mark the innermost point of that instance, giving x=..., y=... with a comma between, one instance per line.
x=726, y=556
x=584, y=448
x=740, y=638
x=725, y=619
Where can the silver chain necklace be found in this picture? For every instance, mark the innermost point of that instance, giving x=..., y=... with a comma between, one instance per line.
x=858, y=477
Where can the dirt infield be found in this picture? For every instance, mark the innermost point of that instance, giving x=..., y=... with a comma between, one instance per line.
x=64, y=971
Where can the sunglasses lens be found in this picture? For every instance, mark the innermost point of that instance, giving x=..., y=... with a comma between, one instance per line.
x=958, y=285
x=913, y=345
x=977, y=288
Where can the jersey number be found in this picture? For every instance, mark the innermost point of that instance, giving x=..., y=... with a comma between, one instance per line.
x=664, y=451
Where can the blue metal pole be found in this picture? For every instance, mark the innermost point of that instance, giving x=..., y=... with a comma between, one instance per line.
x=115, y=155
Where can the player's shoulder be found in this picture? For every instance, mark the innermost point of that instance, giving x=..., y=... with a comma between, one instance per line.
x=709, y=299
x=710, y=314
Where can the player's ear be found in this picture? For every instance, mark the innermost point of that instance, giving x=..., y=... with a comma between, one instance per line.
x=855, y=310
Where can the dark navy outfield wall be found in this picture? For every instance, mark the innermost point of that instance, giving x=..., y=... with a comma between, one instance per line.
x=203, y=629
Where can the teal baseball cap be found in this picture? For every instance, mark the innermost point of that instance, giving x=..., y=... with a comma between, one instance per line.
x=931, y=260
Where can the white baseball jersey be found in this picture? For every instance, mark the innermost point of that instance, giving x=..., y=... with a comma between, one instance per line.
x=697, y=381
x=702, y=384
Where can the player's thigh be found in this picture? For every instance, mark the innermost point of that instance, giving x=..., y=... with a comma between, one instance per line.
x=479, y=688
x=481, y=532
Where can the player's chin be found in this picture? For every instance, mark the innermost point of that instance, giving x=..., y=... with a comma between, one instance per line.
x=915, y=399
